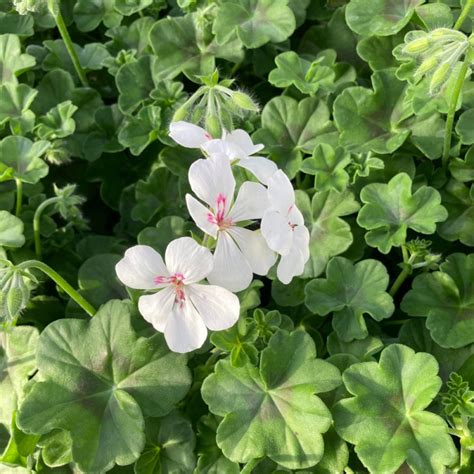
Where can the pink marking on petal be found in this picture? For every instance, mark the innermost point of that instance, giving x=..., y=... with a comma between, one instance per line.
x=177, y=281
x=221, y=207
x=211, y=218
x=207, y=136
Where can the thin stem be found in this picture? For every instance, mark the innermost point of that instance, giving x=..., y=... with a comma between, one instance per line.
x=60, y=281
x=249, y=467
x=464, y=14
x=399, y=281
x=37, y=223
x=452, y=111
x=70, y=48
x=19, y=196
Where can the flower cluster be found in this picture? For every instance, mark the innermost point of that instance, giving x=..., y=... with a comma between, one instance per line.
x=182, y=308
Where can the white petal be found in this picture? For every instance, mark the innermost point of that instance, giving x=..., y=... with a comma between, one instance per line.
x=255, y=249
x=218, y=307
x=281, y=193
x=185, y=330
x=200, y=215
x=251, y=202
x=188, y=135
x=157, y=308
x=212, y=177
x=216, y=147
x=277, y=232
x=231, y=269
x=290, y=265
x=240, y=138
x=139, y=267
x=186, y=256
x=295, y=216
x=301, y=241
x=262, y=168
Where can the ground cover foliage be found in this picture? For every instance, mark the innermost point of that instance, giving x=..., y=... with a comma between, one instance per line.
x=362, y=361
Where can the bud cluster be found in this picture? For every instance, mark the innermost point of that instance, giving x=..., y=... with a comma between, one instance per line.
x=14, y=293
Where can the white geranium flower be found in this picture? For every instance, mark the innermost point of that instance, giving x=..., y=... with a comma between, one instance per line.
x=236, y=146
x=283, y=228
x=239, y=252
x=182, y=308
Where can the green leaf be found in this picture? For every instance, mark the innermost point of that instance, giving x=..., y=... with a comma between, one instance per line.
x=99, y=379
x=139, y=131
x=89, y=14
x=435, y=15
x=391, y=209
x=368, y=119
x=446, y=299
x=11, y=230
x=58, y=122
x=464, y=127
x=291, y=128
x=386, y=419
x=167, y=229
x=21, y=25
x=377, y=51
x=256, y=22
x=328, y=166
x=459, y=201
x=274, y=404
x=24, y=157
x=56, y=448
x=379, y=17
x=12, y=62
x=169, y=448
x=15, y=102
x=349, y=291
x=17, y=364
x=305, y=75
x=463, y=169
x=330, y=235
x=363, y=349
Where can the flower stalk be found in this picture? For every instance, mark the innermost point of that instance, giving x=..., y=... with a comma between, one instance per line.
x=37, y=223
x=19, y=196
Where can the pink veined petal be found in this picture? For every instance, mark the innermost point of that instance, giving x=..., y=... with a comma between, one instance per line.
x=291, y=265
x=262, y=168
x=140, y=266
x=157, y=308
x=252, y=244
x=281, y=193
x=241, y=139
x=212, y=177
x=188, y=135
x=277, y=232
x=202, y=216
x=231, y=269
x=185, y=330
x=218, y=307
x=251, y=202
x=187, y=257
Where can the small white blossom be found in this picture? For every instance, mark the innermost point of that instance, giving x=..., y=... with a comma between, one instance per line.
x=182, y=309
x=236, y=146
x=239, y=252
x=283, y=228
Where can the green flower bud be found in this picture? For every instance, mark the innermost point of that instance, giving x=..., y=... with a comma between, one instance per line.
x=14, y=294
x=244, y=101
x=440, y=77
x=213, y=126
x=417, y=46
x=180, y=114
x=426, y=66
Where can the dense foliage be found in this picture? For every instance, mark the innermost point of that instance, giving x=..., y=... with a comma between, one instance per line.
x=351, y=354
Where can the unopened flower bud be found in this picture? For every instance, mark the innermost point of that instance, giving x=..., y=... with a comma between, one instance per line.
x=244, y=101
x=180, y=114
x=426, y=66
x=213, y=125
x=440, y=76
x=14, y=294
x=419, y=45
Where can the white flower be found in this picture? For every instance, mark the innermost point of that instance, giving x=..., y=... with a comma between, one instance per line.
x=182, y=309
x=236, y=146
x=239, y=252
x=283, y=228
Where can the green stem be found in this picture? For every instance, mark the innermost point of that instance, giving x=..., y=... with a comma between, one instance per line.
x=70, y=48
x=60, y=281
x=452, y=111
x=399, y=281
x=249, y=467
x=19, y=196
x=37, y=223
x=464, y=14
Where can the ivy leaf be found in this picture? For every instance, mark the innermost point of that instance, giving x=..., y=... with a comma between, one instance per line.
x=89, y=14
x=274, y=403
x=390, y=398
x=15, y=102
x=462, y=169
x=58, y=122
x=446, y=299
x=23, y=156
x=363, y=349
x=12, y=62
x=328, y=166
x=330, y=235
x=305, y=75
x=98, y=381
x=169, y=448
x=17, y=363
x=11, y=230
x=459, y=201
x=379, y=17
x=391, y=209
x=256, y=22
x=291, y=128
x=368, y=119
x=349, y=291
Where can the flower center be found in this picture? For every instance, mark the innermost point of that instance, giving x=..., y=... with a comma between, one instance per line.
x=177, y=281
x=219, y=217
